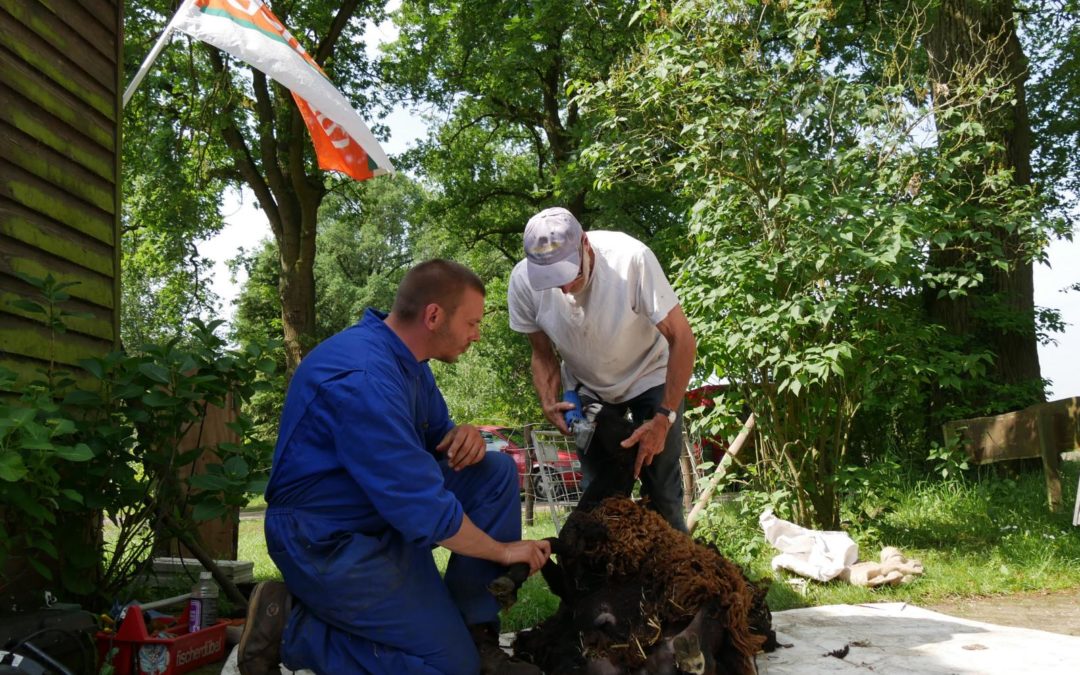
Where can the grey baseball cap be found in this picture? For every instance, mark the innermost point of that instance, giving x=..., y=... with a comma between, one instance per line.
x=552, y=248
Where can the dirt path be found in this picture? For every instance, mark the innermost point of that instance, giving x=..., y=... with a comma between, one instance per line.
x=1054, y=611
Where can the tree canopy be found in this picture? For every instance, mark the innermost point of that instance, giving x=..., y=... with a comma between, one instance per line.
x=247, y=131
x=507, y=130
x=827, y=205
x=851, y=195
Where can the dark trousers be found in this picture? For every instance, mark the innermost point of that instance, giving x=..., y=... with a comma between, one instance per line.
x=661, y=481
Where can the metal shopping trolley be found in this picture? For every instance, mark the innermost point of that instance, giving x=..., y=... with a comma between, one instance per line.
x=557, y=477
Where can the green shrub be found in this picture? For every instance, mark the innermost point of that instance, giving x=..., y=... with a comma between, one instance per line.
x=72, y=454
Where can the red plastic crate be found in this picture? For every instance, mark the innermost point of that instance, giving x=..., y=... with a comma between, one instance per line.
x=139, y=653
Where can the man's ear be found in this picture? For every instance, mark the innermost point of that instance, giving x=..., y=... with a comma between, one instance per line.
x=433, y=316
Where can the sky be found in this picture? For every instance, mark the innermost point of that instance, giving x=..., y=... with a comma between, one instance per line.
x=245, y=226
x=1061, y=362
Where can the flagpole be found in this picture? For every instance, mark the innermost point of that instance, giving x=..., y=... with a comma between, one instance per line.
x=152, y=56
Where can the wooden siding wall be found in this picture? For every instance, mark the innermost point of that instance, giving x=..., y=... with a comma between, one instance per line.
x=60, y=112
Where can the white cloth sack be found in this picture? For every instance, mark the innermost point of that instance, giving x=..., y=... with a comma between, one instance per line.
x=816, y=554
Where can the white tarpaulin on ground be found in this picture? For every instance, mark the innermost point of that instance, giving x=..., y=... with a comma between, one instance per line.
x=896, y=638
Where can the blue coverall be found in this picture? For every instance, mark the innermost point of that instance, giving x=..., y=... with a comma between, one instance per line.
x=357, y=499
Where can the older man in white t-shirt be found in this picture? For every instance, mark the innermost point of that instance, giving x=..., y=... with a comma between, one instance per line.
x=602, y=300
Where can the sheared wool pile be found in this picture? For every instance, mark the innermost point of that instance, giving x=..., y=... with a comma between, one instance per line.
x=629, y=581
x=638, y=596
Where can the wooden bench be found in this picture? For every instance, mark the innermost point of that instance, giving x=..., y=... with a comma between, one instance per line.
x=1044, y=430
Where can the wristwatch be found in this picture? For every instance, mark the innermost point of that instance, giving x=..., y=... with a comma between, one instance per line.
x=669, y=414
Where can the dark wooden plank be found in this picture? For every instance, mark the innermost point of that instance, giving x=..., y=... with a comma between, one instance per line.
x=60, y=78
x=47, y=164
x=56, y=66
x=97, y=323
x=104, y=12
x=89, y=287
x=83, y=22
x=28, y=370
x=63, y=105
x=35, y=194
x=72, y=44
x=28, y=118
x=116, y=25
x=33, y=229
x=32, y=339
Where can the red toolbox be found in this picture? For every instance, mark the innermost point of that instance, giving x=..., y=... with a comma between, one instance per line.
x=172, y=650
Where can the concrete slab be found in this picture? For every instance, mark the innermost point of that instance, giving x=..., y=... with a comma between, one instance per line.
x=888, y=639
x=901, y=639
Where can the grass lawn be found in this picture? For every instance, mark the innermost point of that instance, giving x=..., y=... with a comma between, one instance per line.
x=994, y=536
x=988, y=537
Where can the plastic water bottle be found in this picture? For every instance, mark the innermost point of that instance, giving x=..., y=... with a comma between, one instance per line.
x=202, y=608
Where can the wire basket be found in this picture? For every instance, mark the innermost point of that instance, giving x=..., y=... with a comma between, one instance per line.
x=557, y=478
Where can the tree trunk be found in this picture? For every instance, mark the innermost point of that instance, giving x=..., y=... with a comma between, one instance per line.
x=273, y=160
x=974, y=40
x=296, y=286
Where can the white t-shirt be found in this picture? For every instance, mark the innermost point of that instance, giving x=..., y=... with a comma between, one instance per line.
x=606, y=334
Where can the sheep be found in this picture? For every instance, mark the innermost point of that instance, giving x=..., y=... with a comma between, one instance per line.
x=653, y=581
x=636, y=595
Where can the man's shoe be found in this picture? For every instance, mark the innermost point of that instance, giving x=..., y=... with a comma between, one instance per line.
x=259, y=652
x=493, y=660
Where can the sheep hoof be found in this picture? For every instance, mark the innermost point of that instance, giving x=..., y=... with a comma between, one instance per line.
x=505, y=591
x=688, y=656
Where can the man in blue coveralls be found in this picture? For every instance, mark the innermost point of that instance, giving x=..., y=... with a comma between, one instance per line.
x=369, y=474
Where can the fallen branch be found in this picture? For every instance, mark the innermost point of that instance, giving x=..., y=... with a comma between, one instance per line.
x=719, y=473
x=224, y=583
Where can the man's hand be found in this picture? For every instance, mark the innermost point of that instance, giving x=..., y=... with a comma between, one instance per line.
x=651, y=437
x=554, y=414
x=463, y=446
x=471, y=541
x=535, y=552
x=545, y=371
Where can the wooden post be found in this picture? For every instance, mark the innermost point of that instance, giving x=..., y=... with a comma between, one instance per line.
x=721, y=470
x=1051, y=459
x=689, y=476
x=530, y=497
x=218, y=537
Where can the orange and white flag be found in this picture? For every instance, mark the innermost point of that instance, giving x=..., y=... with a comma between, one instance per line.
x=249, y=31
